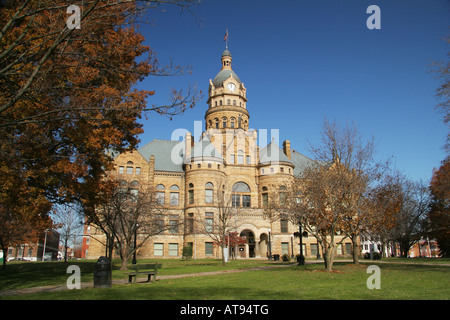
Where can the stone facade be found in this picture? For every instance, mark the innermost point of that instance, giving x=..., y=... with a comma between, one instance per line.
x=188, y=176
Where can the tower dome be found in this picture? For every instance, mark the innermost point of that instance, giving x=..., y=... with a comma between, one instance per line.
x=226, y=70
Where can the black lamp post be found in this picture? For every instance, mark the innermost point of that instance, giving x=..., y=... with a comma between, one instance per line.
x=301, y=258
x=270, y=247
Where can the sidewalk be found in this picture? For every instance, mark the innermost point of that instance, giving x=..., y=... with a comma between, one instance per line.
x=84, y=285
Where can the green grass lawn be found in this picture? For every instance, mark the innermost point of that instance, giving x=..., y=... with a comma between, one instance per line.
x=398, y=281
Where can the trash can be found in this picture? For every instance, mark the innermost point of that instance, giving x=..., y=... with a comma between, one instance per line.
x=102, y=273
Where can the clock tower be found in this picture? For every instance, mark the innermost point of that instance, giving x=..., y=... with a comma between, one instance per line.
x=227, y=101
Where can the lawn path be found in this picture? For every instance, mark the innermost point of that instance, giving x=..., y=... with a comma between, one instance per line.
x=54, y=288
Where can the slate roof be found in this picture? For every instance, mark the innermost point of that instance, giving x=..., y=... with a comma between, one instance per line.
x=272, y=153
x=162, y=151
x=301, y=162
x=224, y=75
x=206, y=150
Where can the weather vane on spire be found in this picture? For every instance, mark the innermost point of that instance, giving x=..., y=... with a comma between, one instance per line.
x=225, y=38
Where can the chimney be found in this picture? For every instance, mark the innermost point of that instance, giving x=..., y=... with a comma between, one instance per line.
x=287, y=148
x=188, y=146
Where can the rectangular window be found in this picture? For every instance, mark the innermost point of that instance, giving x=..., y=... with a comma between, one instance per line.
x=240, y=159
x=158, y=249
x=129, y=170
x=134, y=195
x=348, y=248
x=120, y=170
x=282, y=198
x=314, y=249
x=159, y=222
x=173, y=225
x=209, y=248
x=209, y=196
x=173, y=249
x=265, y=199
x=191, y=196
x=160, y=198
x=284, y=226
x=174, y=197
x=209, y=221
x=339, y=249
x=236, y=200
x=246, y=201
x=190, y=223
x=284, y=248
x=232, y=159
x=248, y=159
x=138, y=170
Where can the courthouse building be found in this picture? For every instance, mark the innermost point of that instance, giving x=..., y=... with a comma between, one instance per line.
x=187, y=176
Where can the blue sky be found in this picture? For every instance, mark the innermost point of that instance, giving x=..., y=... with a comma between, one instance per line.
x=302, y=61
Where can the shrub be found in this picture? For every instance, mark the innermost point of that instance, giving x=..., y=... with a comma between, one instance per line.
x=286, y=257
x=187, y=252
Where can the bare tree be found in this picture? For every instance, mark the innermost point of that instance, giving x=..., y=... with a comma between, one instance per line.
x=442, y=68
x=332, y=197
x=70, y=225
x=218, y=226
x=129, y=210
x=411, y=218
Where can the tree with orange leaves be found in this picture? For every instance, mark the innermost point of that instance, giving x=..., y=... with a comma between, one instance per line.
x=23, y=213
x=439, y=215
x=67, y=97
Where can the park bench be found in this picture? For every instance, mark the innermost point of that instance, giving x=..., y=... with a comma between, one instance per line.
x=150, y=270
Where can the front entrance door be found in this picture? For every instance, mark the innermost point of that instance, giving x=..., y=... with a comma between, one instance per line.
x=250, y=245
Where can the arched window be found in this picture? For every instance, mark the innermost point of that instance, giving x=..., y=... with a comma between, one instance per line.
x=191, y=193
x=123, y=187
x=160, y=194
x=282, y=195
x=174, y=195
x=216, y=121
x=209, y=192
x=129, y=168
x=265, y=197
x=240, y=157
x=134, y=185
x=123, y=183
x=232, y=122
x=241, y=190
x=224, y=122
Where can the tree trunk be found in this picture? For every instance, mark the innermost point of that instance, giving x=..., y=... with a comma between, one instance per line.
x=65, y=249
x=355, y=252
x=328, y=258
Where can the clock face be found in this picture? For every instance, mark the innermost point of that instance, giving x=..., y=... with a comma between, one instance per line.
x=231, y=86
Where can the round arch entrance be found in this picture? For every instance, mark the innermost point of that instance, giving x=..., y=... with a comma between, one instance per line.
x=248, y=250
